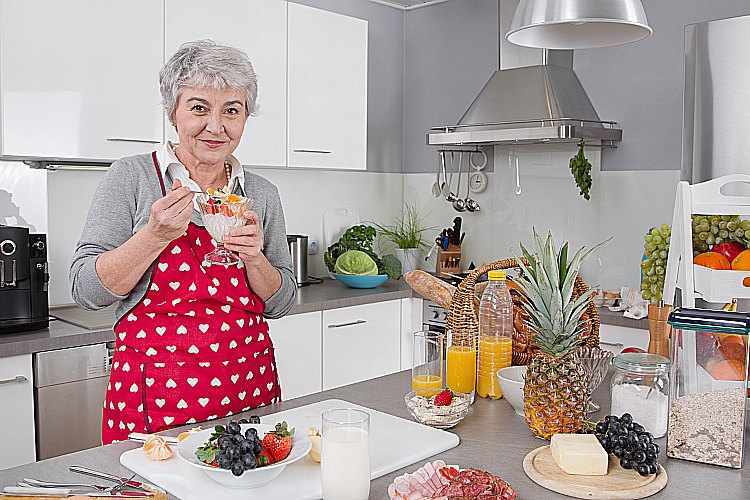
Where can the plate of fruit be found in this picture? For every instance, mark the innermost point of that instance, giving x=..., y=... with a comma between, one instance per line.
x=244, y=453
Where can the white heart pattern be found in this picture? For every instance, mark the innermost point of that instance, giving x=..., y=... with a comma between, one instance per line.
x=234, y=281
x=209, y=311
x=181, y=330
x=212, y=290
x=171, y=384
x=190, y=421
x=190, y=313
x=132, y=317
x=168, y=420
x=193, y=350
x=256, y=392
x=184, y=266
x=176, y=301
x=126, y=367
x=269, y=385
x=262, y=369
x=171, y=348
x=115, y=365
x=122, y=335
x=151, y=315
x=134, y=388
x=176, y=250
x=226, y=308
x=131, y=426
x=182, y=404
x=225, y=401
x=154, y=287
x=140, y=408
x=146, y=302
x=110, y=423
x=163, y=266
x=118, y=385
x=244, y=300
x=242, y=360
x=140, y=335
x=174, y=285
x=215, y=281
x=204, y=364
x=235, y=378
x=224, y=327
x=240, y=322
x=192, y=381
x=203, y=402
x=161, y=330
x=197, y=242
x=233, y=344
x=249, y=376
x=215, y=382
x=203, y=327
x=149, y=381
x=121, y=405
x=122, y=425
x=160, y=402
x=214, y=347
x=242, y=395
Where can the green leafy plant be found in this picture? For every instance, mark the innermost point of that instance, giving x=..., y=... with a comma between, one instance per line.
x=360, y=237
x=580, y=167
x=405, y=232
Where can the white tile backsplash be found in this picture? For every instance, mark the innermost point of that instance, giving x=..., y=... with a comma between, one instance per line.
x=23, y=196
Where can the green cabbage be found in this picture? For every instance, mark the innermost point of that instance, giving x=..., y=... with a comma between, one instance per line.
x=356, y=262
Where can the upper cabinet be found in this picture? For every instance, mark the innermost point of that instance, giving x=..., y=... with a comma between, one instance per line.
x=327, y=72
x=79, y=78
x=258, y=27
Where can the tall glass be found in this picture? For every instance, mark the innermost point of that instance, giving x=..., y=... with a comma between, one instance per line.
x=345, y=454
x=427, y=363
x=461, y=363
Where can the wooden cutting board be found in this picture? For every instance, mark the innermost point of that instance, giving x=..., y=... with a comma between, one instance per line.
x=618, y=484
x=155, y=496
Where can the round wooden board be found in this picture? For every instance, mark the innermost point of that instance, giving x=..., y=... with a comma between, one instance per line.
x=618, y=484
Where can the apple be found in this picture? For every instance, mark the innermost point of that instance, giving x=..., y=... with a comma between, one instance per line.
x=729, y=249
x=632, y=349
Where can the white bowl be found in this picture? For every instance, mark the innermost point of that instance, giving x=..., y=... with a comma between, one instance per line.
x=253, y=478
x=511, y=382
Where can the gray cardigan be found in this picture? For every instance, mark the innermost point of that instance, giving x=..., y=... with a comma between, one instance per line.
x=121, y=207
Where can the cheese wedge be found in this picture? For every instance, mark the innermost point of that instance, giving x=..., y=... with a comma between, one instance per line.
x=579, y=454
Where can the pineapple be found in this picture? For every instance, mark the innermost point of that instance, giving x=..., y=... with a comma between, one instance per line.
x=555, y=388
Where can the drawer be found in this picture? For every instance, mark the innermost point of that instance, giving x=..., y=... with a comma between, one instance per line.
x=17, y=395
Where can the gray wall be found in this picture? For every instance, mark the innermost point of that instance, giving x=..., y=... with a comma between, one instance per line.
x=385, y=70
x=641, y=84
x=451, y=51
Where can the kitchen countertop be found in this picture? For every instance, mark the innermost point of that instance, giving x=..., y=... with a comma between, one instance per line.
x=492, y=438
x=328, y=295
x=608, y=317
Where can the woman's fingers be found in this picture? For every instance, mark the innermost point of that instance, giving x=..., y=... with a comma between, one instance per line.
x=179, y=206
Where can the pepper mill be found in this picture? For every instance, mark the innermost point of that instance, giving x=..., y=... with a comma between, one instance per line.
x=659, y=329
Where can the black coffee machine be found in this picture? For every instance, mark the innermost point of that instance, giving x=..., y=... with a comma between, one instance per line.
x=23, y=280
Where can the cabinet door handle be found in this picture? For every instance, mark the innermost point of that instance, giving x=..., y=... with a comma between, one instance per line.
x=18, y=379
x=318, y=151
x=125, y=139
x=352, y=323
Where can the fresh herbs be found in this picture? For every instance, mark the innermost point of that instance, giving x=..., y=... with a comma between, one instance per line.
x=580, y=167
x=405, y=232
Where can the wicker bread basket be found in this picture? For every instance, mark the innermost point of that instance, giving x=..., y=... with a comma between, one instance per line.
x=464, y=324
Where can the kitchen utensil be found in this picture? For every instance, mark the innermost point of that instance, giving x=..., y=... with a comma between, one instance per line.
x=298, y=249
x=518, y=178
x=450, y=196
x=140, y=437
x=457, y=230
x=459, y=205
x=437, y=189
x=618, y=483
x=394, y=443
x=482, y=162
x=36, y=483
x=129, y=482
x=470, y=204
x=254, y=478
x=595, y=362
x=511, y=382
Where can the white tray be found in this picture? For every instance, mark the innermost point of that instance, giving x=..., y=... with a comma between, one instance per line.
x=394, y=443
x=721, y=285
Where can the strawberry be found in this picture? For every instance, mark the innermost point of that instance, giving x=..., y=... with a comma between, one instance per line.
x=264, y=458
x=278, y=442
x=444, y=398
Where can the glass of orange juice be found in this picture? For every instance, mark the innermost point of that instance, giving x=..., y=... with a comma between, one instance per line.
x=461, y=363
x=427, y=363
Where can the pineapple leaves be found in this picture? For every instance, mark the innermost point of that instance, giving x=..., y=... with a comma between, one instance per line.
x=548, y=282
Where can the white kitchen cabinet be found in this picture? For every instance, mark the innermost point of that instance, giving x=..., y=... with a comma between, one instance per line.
x=258, y=27
x=299, y=359
x=17, y=419
x=615, y=338
x=360, y=343
x=79, y=78
x=411, y=321
x=327, y=89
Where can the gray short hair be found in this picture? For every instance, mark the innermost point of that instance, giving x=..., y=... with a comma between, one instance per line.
x=204, y=63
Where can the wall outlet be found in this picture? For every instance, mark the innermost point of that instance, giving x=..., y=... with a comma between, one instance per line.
x=312, y=247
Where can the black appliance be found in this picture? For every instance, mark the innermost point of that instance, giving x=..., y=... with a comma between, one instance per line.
x=24, y=277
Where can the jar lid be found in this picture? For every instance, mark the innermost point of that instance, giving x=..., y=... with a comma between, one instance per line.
x=496, y=275
x=706, y=319
x=642, y=362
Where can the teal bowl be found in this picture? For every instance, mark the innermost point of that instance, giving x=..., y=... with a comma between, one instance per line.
x=354, y=281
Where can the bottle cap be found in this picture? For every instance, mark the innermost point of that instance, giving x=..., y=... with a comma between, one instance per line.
x=497, y=275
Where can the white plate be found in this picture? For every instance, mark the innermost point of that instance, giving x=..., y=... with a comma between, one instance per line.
x=253, y=478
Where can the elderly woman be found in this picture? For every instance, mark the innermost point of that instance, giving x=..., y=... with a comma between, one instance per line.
x=192, y=342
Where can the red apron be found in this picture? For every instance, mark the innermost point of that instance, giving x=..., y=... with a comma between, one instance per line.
x=195, y=348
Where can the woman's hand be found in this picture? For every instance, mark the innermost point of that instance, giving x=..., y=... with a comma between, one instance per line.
x=247, y=241
x=170, y=215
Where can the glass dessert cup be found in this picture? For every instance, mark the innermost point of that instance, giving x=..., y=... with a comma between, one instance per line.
x=595, y=363
x=222, y=214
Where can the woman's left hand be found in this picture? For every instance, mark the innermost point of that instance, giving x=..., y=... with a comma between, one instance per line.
x=247, y=241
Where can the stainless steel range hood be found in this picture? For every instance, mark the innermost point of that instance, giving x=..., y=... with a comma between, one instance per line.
x=536, y=104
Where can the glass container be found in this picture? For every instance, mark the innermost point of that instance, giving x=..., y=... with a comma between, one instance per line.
x=461, y=363
x=640, y=386
x=707, y=408
x=427, y=363
x=345, y=454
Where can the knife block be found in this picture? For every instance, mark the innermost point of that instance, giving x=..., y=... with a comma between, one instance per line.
x=449, y=261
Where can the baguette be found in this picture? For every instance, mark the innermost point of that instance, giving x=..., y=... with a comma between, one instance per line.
x=430, y=287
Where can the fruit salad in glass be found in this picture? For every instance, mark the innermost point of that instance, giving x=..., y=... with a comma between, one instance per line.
x=222, y=211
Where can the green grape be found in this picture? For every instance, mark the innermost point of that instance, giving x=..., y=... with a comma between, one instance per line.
x=660, y=270
x=714, y=229
x=747, y=234
x=646, y=294
x=654, y=288
x=710, y=239
x=651, y=271
x=654, y=232
x=655, y=254
x=727, y=217
x=732, y=225
x=703, y=235
x=657, y=240
x=745, y=224
x=718, y=240
x=723, y=224
x=724, y=234
x=703, y=247
x=663, y=254
x=704, y=228
x=648, y=238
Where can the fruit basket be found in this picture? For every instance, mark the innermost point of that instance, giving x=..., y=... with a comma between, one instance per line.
x=463, y=322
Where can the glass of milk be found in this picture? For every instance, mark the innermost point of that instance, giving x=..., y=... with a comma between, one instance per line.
x=345, y=454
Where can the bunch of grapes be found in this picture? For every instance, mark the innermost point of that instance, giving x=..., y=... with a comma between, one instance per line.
x=230, y=449
x=629, y=441
x=710, y=230
x=654, y=264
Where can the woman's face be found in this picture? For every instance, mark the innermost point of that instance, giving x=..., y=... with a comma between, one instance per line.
x=210, y=122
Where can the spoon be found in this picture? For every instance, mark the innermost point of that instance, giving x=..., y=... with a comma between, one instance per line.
x=449, y=195
x=437, y=189
x=470, y=204
x=459, y=205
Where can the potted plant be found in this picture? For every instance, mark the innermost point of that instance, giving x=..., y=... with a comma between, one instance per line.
x=406, y=233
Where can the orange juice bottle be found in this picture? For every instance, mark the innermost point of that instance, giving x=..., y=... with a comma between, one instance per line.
x=495, y=335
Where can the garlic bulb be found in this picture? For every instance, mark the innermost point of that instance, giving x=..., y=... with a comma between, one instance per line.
x=314, y=436
x=156, y=448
